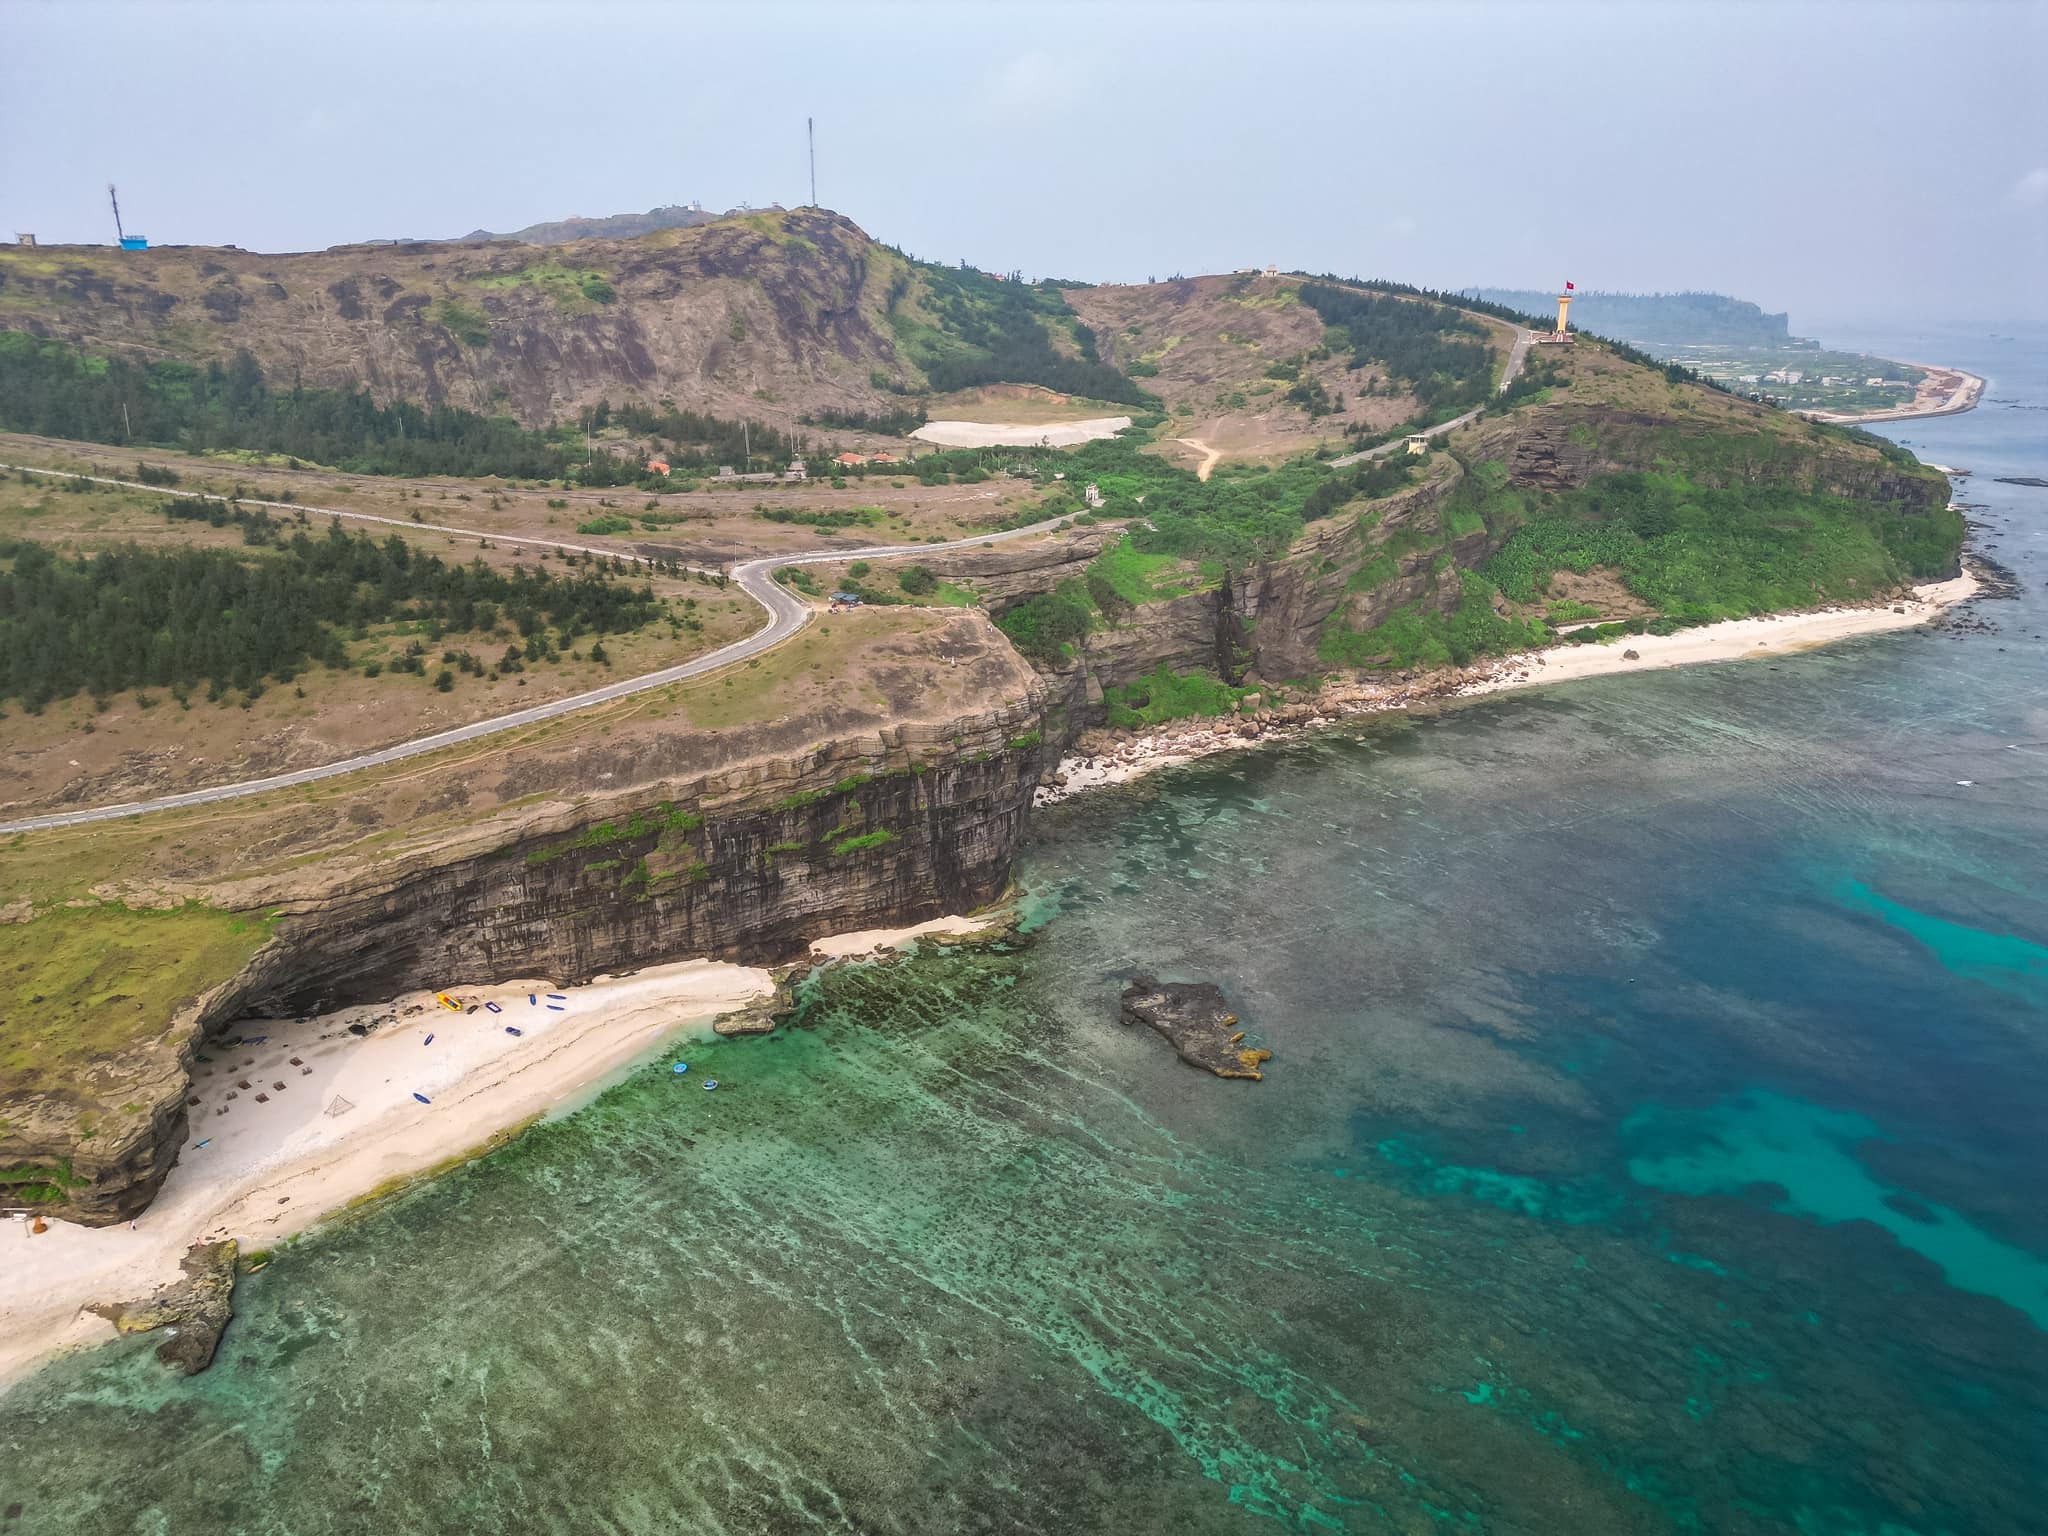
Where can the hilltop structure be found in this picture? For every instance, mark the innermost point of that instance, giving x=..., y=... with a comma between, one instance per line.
x=1564, y=305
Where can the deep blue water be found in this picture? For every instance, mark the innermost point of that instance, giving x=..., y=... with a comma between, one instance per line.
x=1654, y=1142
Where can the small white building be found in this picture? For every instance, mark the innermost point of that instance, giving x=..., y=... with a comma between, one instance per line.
x=1418, y=442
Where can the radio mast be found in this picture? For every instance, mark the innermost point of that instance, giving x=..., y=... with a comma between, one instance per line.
x=811, y=133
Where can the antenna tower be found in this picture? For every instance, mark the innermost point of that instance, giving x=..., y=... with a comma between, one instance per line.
x=811, y=133
x=120, y=234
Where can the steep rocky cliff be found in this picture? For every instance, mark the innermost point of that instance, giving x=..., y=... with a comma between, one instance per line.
x=749, y=865
x=630, y=839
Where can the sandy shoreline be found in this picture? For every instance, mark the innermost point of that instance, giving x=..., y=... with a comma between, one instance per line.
x=263, y=1171
x=346, y=1121
x=346, y=1124
x=1782, y=634
x=1944, y=392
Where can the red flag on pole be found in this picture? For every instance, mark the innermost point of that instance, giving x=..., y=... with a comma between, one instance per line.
x=1568, y=287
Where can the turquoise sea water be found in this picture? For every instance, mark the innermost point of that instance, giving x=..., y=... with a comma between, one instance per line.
x=1654, y=1142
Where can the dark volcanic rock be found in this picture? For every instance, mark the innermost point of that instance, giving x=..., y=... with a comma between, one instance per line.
x=195, y=1309
x=1196, y=1022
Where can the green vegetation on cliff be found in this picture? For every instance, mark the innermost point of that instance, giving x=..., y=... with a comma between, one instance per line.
x=81, y=983
x=1699, y=553
x=1693, y=553
x=1422, y=635
x=1168, y=695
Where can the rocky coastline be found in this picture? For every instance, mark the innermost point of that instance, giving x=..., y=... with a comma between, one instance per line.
x=1105, y=755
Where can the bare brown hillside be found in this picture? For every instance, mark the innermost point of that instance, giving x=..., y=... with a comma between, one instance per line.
x=764, y=315
x=1209, y=347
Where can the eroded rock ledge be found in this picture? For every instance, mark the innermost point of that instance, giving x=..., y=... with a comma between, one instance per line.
x=195, y=1310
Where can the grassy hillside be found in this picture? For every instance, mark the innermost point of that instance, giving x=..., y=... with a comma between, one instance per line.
x=1600, y=488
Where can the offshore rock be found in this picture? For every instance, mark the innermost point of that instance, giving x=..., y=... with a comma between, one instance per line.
x=1196, y=1022
x=195, y=1309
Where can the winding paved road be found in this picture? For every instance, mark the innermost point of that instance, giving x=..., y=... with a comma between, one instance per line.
x=786, y=615
x=1515, y=355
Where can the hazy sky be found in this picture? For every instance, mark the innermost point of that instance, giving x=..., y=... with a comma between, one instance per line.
x=1844, y=161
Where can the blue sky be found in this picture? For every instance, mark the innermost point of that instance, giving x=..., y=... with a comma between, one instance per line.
x=1848, y=162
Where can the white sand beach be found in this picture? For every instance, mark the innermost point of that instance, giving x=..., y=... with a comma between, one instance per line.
x=848, y=946
x=1098, y=763
x=265, y=1170
x=1778, y=634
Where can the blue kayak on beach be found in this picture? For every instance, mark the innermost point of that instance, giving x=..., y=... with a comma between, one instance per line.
x=423, y=1098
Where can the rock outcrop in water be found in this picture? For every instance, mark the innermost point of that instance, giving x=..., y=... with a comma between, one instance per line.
x=1196, y=1022
x=195, y=1310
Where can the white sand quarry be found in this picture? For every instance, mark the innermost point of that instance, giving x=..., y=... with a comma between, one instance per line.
x=1045, y=434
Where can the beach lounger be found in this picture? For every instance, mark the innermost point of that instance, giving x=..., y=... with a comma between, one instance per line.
x=494, y=1007
x=511, y=1030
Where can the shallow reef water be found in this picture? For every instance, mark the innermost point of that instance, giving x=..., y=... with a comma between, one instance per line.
x=1653, y=1142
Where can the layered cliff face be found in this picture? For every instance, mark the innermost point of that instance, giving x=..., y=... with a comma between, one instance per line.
x=1352, y=569
x=747, y=866
x=873, y=776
